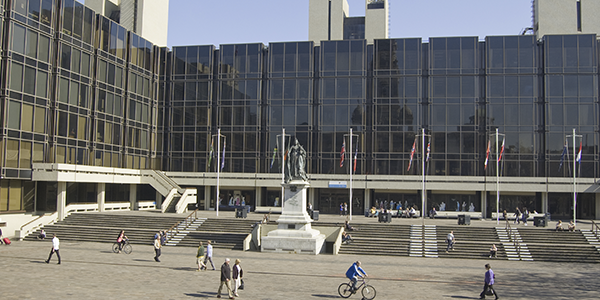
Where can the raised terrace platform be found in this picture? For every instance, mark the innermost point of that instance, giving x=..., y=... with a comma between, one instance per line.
x=401, y=237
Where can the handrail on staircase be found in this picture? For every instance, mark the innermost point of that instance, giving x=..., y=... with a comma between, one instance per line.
x=187, y=222
x=513, y=237
x=595, y=227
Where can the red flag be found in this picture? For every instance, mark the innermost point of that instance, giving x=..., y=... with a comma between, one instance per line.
x=412, y=153
x=487, y=155
x=501, y=150
x=342, y=154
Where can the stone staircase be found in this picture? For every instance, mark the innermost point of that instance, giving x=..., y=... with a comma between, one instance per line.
x=563, y=246
x=376, y=239
x=223, y=233
x=182, y=230
x=471, y=242
x=139, y=227
x=513, y=244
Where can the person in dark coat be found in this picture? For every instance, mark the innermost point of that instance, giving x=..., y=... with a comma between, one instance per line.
x=225, y=279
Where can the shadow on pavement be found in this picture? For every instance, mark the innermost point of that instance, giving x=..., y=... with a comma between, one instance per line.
x=184, y=269
x=325, y=296
x=202, y=295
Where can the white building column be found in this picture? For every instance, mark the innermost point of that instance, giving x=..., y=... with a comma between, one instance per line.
x=133, y=197
x=311, y=198
x=61, y=200
x=101, y=196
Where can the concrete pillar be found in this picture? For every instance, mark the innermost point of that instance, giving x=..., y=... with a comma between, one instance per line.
x=367, y=200
x=483, y=204
x=312, y=192
x=61, y=200
x=544, y=202
x=157, y=200
x=101, y=196
x=597, y=216
x=258, y=200
x=133, y=197
x=207, y=197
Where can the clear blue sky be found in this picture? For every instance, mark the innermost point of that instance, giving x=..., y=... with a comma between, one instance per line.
x=204, y=22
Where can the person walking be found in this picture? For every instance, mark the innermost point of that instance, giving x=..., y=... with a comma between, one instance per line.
x=55, y=246
x=450, y=240
x=225, y=279
x=525, y=215
x=237, y=276
x=200, y=257
x=157, y=247
x=517, y=216
x=489, y=282
x=209, y=255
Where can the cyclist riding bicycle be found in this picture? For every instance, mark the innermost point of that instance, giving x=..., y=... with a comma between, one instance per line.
x=354, y=273
x=121, y=240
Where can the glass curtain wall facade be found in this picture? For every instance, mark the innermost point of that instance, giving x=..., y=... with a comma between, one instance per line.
x=72, y=81
x=77, y=88
x=191, y=108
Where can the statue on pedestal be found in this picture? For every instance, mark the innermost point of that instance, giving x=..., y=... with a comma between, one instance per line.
x=296, y=163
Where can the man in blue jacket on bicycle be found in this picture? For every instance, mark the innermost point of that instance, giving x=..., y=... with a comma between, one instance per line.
x=354, y=273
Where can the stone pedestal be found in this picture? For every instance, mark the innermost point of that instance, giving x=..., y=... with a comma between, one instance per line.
x=294, y=233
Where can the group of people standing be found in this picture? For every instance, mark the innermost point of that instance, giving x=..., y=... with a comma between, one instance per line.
x=204, y=256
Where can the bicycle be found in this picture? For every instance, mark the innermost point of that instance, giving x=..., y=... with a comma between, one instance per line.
x=368, y=291
x=126, y=248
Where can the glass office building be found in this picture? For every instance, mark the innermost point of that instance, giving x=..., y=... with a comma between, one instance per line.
x=80, y=90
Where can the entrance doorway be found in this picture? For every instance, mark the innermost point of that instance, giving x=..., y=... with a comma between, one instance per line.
x=330, y=200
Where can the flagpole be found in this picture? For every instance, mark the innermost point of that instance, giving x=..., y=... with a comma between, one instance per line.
x=574, y=180
x=576, y=157
x=423, y=174
x=350, y=173
x=282, y=168
x=497, y=181
x=218, y=167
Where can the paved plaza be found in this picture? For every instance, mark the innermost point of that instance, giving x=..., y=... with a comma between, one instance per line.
x=92, y=271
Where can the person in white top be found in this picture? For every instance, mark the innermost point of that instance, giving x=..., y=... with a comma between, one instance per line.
x=55, y=244
x=209, y=254
x=237, y=277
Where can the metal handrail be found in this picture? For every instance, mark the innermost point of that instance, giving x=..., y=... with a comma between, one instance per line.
x=513, y=237
x=187, y=222
x=595, y=227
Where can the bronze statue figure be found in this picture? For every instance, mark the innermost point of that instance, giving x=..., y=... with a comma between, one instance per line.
x=296, y=163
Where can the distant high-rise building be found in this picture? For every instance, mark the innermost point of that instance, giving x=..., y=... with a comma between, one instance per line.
x=329, y=20
x=147, y=18
x=565, y=17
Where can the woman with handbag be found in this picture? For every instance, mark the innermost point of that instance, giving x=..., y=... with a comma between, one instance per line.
x=237, y=277
x=488, y=287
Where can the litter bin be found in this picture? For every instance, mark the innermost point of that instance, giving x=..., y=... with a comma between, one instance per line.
x=385, y=218
x=540, y=221
x=241, y=213
x=464, y=219
x=315, y=215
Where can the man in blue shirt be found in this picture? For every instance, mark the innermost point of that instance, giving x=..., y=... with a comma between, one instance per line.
x=489, y=282
x=354, y=273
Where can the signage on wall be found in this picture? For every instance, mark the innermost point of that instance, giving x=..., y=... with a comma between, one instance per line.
x=338, y=184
